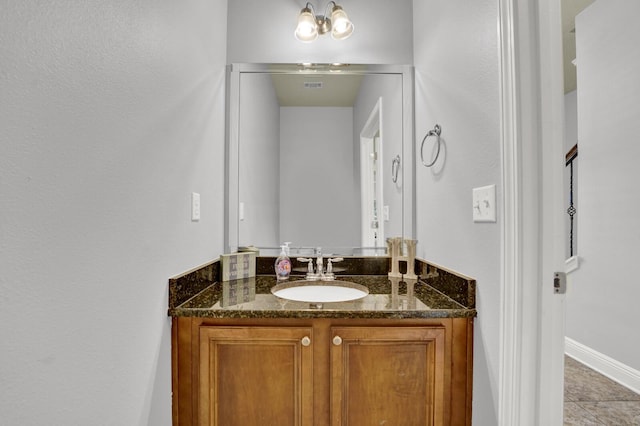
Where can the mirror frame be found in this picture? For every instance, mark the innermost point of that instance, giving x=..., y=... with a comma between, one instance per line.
x=232, y=165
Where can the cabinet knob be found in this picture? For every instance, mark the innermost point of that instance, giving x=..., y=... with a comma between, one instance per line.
x=337, y=340
x=306, y=341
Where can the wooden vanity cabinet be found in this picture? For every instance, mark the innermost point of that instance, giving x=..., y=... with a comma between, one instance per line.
x=387, y=375
x=319, y=372
x=255, y=376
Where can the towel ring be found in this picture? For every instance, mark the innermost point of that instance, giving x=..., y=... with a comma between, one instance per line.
x=435, y=132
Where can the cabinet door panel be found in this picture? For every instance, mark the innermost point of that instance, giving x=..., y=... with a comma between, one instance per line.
x=387, y=376
x=255, y=376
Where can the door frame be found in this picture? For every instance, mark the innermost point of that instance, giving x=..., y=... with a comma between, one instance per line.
x=532, y=119
x=372, y=127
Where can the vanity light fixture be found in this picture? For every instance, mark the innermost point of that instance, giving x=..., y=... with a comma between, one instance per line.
x=311, y=25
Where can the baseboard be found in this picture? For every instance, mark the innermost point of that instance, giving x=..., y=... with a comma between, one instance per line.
x=615, y=370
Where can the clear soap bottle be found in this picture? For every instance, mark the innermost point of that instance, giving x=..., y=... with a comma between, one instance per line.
x=283, y=265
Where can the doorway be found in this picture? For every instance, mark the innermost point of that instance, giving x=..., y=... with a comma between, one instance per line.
x=371, y=142
x=602, y=112
x=532, y=316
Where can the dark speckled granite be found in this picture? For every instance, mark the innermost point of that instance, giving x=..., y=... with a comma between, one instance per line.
x=378, y=265
x=182, y=287
x=252, y=298
x=458, y=287
x=439, y=293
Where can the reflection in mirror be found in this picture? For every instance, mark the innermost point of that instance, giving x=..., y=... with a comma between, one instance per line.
x=315, y=157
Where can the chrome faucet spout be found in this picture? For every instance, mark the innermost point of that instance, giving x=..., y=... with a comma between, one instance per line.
x=320, y=266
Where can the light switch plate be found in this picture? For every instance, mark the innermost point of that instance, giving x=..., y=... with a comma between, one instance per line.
x=195, y=207
x=484, y=204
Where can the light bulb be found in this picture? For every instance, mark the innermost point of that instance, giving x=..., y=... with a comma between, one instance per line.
x=342, y=26
x=307, y=30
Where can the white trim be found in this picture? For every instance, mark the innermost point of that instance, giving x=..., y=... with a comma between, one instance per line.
x=407, y=166
x=374, y=122
x=510, y=346
x=531, y=318
x=551, y=310
x=371, y=128
x=603, y=364
x=232, y=152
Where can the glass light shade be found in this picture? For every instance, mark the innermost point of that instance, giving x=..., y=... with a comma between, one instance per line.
x=342, y=26
x=307, y=29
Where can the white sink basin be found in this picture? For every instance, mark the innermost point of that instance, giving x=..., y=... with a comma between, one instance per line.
x=320, y=291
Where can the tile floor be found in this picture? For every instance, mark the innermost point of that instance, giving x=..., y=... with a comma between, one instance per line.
x=593, y=399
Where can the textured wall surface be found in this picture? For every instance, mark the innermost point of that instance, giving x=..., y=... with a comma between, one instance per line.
x=111, y=114
x=457, y=86
x=263, y=32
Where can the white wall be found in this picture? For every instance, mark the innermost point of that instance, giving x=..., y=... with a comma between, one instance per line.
x=570, y=120
x=457, y=86
x=603, y=293
x=263, y=32
x=111, y=114
x=259, y=148
x=319, y=199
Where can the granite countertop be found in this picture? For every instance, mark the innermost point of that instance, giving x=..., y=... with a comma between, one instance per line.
x=387, y=299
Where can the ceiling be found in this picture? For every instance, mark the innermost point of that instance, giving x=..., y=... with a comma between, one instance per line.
x=325, y=85
x=570, y=8
x=339, y=90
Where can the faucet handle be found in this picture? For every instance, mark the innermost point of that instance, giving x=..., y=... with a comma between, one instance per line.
x=310, y=274
x=334, y=260
x=329, y=275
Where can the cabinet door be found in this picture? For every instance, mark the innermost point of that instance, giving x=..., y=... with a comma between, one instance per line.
x=387, y=376
x=256, y=376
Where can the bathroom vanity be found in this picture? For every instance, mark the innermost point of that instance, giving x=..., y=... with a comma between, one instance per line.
x=401, y=355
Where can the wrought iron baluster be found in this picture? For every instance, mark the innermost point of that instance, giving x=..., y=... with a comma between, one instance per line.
x=571, y=211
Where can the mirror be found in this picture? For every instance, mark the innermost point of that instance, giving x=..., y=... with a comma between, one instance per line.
x=320, y=155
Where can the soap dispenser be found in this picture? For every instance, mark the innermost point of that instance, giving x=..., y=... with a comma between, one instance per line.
x=283, y=265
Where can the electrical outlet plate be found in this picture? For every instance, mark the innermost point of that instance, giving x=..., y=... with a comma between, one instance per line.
x=484, y=204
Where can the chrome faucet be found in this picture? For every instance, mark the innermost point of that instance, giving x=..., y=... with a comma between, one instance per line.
x=320, y=273
x=319, y=266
